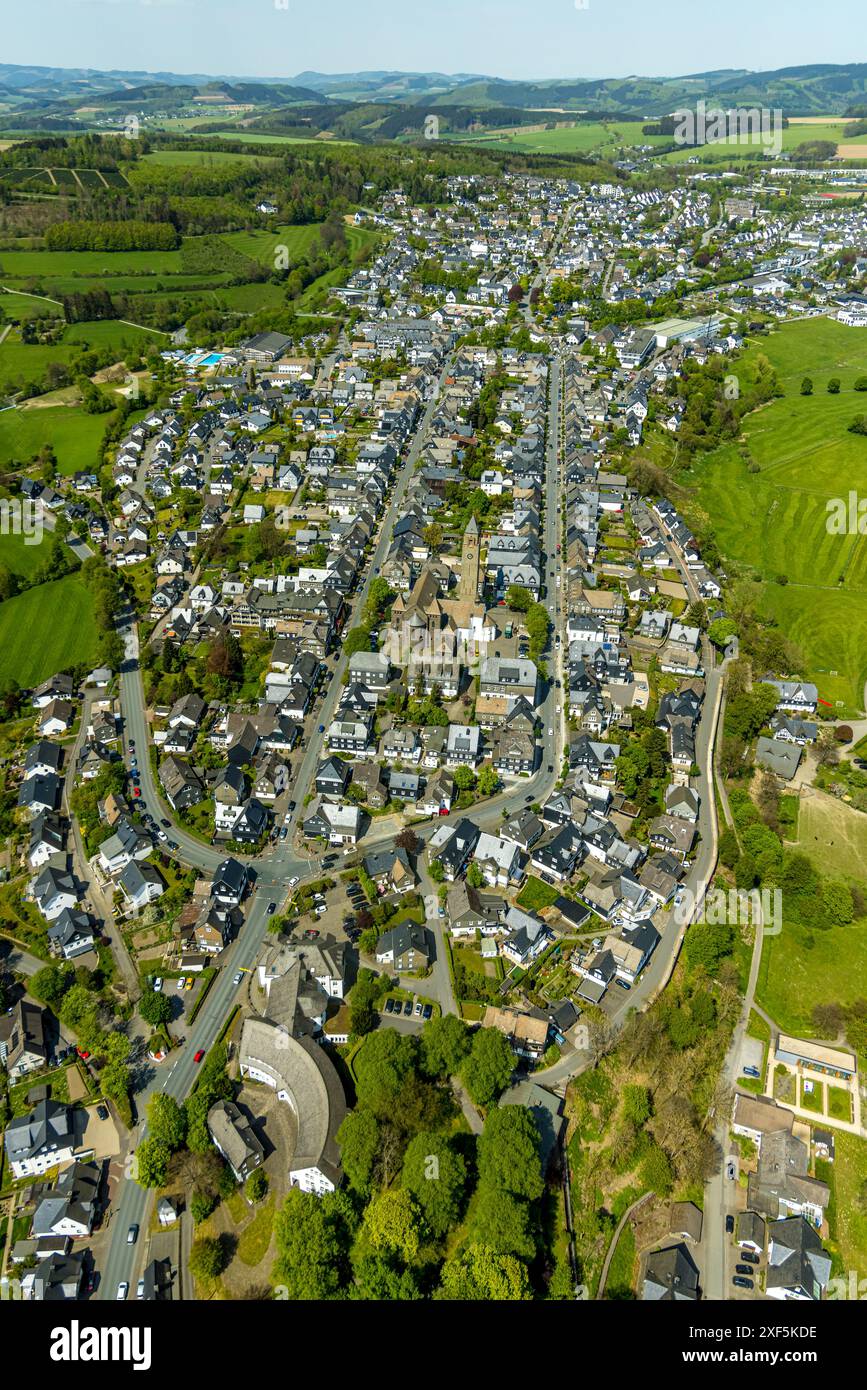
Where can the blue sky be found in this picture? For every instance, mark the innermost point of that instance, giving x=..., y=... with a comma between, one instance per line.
x=506, y=38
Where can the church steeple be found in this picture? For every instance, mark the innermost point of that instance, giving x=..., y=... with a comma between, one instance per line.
x=470, y=563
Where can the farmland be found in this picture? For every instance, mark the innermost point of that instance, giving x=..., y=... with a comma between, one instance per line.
x=45, y=630
x=772, y=523
x=609, y=138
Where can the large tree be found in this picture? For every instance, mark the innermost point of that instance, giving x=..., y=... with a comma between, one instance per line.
x=488, y=1067
x=509, y=1152
x=436, y=1175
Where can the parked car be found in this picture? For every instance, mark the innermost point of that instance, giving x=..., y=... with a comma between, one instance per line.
x=158, y=985
x=407, y=1009
x=744, y=1269
x=101, y=1112
x=190, y=983
x=322, y=728
x=167, y=824
x=418, y=1009
x=122, y=1291
x=741, y=1283
x=427, y=1012
x=140, y=1288
x=389, y=1006
x=182, y=984
x=731, y=1169
x=749, y=1257
x=623, y=984
x=730, y=1225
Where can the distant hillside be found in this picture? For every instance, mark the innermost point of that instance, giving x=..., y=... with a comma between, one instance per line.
x=817, y=89
x=389, y=105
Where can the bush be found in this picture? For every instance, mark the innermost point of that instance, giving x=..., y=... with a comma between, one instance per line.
x=257, y=1185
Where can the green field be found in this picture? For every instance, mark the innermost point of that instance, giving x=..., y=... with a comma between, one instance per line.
x=19, y=557
x=25, y=362
x=259, y=246
x=28, y=306
x=74, y=435
x=45, y=630
x=774, y=522
x=205, y=158
x=834, y=836
x=802, y=968
x=609, y=138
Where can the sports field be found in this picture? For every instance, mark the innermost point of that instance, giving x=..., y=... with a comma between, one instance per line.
x=773, y=522
x=46, y=629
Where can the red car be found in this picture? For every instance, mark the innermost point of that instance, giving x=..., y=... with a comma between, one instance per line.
x=136, y=791
x=82, y=1054
x=199, y=1055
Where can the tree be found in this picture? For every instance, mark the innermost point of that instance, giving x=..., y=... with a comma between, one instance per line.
x=503, y=1222
x=508, y=1152
x=488, y=781
x=828, y=1020
x=201, y=1206
x=436, y=871
x=50, y=984
x=636, y=1105
x=834, y=386
x=167, y=1122
x=826, y=751
x=152, y=1163
x=519, y=598
x=407, y=840
x=479, y=1274
x=475, y=877
x=464, y=778
x=806, y=387
x=487, y=1069
x=445, y=1043
x=207, y=1258
x=155, y=1009
x=358, y=1137
x=435, y=1173
x=379, y=1279
x=256, y=1186
x=311, y=1247
x=382, y=1065
x=393, y=1224
x=356, y=640
x=836, y=901
x=708, y=943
